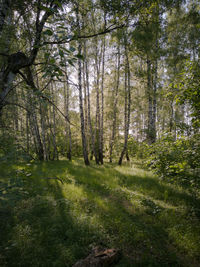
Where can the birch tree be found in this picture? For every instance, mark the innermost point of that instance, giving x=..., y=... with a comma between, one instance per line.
x=127, y=105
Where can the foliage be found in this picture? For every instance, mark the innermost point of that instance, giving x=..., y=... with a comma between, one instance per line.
x=138, y=149
x=12, y=149
x=63, y=93
x=189, y=90
x=178, y=160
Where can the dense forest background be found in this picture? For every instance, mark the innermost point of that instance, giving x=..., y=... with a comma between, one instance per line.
x=93, y=94
x=102, y=79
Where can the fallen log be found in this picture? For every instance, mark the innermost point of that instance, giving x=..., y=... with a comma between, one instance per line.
x=100, y=258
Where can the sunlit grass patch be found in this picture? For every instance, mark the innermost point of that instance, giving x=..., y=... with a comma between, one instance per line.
x=54, y=222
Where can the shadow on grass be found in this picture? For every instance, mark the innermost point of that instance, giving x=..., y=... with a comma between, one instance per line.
x=39, y=226
x=55, y=224
x=104, y=176
x=144, y=232
x=159, y=189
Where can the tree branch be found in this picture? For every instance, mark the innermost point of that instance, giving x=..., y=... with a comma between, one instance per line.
x=30, y=82
x=39, y=28
x=64, y=41
x=18, y=105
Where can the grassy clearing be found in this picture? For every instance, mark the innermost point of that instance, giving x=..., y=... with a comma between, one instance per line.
x=46, y=223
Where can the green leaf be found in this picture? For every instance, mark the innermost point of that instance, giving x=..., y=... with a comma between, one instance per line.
x=48, y=32
x=57, y=3
x=79, y=56
x=60, y=73
x=61, y=53
x=66, y=50
x=52, y=61
x=47, y=9
x=70, y=62
x=44, y=8
x=61, y=31
x=72, y=49
x=46, y=55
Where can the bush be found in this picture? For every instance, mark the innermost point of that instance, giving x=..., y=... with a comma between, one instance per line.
x=10, y=149
x=178, y=160
x=137, y=149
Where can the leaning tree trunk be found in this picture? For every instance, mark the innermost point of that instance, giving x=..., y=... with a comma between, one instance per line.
x=18, y=61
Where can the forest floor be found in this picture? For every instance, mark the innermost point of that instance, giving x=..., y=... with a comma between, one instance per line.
x=55, y=222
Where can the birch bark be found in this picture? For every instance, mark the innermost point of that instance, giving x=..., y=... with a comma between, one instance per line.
x=84, y=143
x=127, y=107
x=112, y=140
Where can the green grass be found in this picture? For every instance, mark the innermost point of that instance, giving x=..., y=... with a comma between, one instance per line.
x=46, y=223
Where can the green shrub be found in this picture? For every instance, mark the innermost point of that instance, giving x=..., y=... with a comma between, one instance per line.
x=137, y=149
x=178, y=160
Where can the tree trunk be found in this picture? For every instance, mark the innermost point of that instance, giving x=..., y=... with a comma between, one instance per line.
x=85, y=105
x=127, y=106
x=66, y=106
x=42, y=121
x=19, y=60
x=84, y=143
x=98, y=115
x=27, y=134
x=102, y=103
x=43, y=130
x=115, y=104
x=55, y=150
x=154, y=102
x=35, y=128
x=48, y=133
x=88, y=102
x=150, y=128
